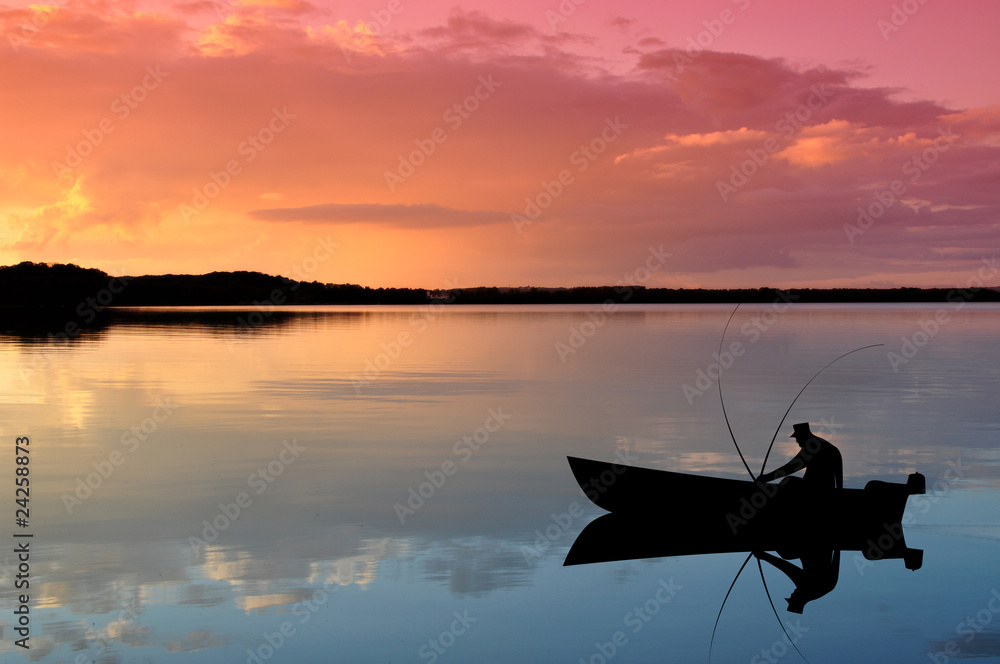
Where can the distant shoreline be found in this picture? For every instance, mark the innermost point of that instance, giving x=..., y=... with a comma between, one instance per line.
x=90, y=290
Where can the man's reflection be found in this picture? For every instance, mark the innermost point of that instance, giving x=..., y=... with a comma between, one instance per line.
x=817, y=576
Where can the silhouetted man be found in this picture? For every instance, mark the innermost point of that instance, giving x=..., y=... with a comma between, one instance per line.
x=818, y=575
x=822, y=461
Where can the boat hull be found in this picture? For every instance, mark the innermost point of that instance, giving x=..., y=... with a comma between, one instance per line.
x=659, y=513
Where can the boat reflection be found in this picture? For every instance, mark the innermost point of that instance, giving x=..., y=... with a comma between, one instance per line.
x=659, y=514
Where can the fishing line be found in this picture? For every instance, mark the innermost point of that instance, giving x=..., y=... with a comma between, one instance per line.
x=736, y=578
x=723, y=401
x=768, y=593
x=763, y=465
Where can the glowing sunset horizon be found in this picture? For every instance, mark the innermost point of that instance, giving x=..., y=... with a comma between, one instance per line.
x=517, y=144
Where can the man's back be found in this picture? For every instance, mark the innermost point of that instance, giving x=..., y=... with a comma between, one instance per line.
x=824, y=464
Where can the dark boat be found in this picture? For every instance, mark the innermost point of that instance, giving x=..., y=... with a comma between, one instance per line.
x=658, y=513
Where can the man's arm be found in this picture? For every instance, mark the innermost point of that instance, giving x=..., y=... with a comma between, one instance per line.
x=790, y=570
x=795, y=464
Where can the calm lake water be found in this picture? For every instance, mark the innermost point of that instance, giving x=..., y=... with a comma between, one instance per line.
x=344, y=484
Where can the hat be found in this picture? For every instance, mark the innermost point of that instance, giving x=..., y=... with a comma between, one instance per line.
x=801, y=430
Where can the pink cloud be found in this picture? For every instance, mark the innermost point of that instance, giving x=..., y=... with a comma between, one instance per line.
x=361, y=104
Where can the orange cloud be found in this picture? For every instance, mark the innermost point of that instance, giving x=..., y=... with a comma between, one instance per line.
x=201, y=135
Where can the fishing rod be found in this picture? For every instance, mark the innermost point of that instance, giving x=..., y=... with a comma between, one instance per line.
x=752, y=478
x=712, y=641
x=723, y=401
x=760, y=568
x=815, y=376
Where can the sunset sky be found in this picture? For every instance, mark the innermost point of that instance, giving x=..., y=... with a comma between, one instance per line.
x=739, y=136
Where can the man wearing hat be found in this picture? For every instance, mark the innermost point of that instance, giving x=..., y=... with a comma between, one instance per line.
x=818, y=575
x=822, y=461
x=824, y=472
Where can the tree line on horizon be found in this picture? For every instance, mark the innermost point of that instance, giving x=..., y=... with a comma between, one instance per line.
x=63, y=285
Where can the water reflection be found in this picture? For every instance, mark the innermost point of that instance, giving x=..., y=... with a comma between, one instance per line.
x=662, y=514
x=118, y=571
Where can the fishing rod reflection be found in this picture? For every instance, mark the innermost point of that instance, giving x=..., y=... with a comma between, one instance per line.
x=659, y=514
